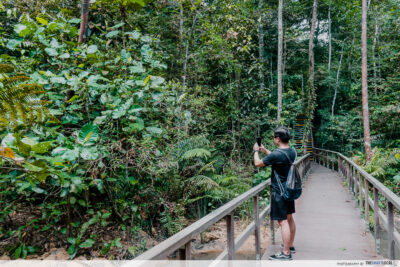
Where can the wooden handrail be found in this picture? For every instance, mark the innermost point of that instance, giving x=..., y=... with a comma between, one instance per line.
x=389, y=195
x=360, y=189
x=184, y=237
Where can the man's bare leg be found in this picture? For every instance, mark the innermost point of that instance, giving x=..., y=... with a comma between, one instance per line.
x=292, y=227
x=285, y=230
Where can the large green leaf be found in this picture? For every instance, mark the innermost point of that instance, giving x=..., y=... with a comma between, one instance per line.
x=60, y=80
x=126, y=56
x=92, y=81
x=71, y=154
x=90, y=153
x=12, y=44
x=92, y=49
x=8, y=140
x=42, y=147
x=42, y=21
x=154, y=130
x=138, y=125
x=112, y=34
x=89, y=134
x=137, y=68
x=51, y=51
x=156, y=81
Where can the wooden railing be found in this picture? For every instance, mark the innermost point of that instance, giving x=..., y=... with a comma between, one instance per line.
x=182, y=240
x=361, y=184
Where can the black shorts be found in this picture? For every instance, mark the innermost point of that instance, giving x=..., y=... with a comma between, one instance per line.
x=280, y=208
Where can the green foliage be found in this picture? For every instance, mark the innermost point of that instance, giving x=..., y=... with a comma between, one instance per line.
x=152, y=121
x=20, y=102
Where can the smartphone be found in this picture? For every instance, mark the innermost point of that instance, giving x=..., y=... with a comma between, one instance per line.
x=259, y=141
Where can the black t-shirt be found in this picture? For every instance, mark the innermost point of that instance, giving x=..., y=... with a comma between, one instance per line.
x=280, y=164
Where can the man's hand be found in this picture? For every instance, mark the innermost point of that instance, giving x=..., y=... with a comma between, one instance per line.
x=264, y=150
x=257, y=161
x=256, y=147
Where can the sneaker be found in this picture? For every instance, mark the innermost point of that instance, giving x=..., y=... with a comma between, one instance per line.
x=281, y=256
x=292, y=250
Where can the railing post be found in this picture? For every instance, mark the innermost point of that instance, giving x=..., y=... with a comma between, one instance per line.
x=185, y=253
x=348, y=176
x=328, y=159
x=390, y=230
x=342, y=167
x=356, y=187
x=319, y=157
x=352, y=179
x=376, y=219
x=359, y=178
x=366, y=191
x=257, y=227
x=322, y=158
x=230, y=233
x=333, y=162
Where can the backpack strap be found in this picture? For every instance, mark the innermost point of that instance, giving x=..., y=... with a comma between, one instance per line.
x=279, y=182
x=287, y=156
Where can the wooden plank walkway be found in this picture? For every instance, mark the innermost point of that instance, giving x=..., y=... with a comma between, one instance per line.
x=329, y=226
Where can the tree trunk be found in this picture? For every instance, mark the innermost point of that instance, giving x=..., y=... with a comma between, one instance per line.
x=84, y=21
x=271, y=73
x=261, y=47
x=330, y=41
x=284, y=60
x=181, y=23
x=185, y=61
x=238, y=93
x=280, y=39
x=367, y=138
x=311, y=97
x=373, y=53
x=337, y=80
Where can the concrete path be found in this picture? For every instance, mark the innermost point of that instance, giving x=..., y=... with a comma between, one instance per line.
x=329, y=226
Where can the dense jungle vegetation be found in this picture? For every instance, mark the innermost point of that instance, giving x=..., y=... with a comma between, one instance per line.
x=150, y=121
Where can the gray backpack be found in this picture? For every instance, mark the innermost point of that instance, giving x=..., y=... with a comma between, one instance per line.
x=292, y=189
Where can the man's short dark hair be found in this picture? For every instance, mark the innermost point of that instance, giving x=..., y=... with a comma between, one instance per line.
x=283, y=133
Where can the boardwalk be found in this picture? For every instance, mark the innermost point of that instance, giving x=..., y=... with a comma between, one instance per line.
x=329, y=227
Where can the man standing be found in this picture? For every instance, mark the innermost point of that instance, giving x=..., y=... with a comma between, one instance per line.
x=281, y=210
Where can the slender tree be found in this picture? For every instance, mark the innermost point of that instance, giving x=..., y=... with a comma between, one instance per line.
x=261, y=46
x=311, y=97
x=280, y=39
x=84, y=21
x=337, y=80
x=367, y=138
x=373, y=51
x=329, y=42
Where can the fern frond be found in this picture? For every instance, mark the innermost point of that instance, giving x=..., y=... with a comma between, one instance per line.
x=197, y=153
x=191, y=143
x=6, y=68
x=380, y=161
x=208, y=167
x=20, y=102
x=203, y=182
